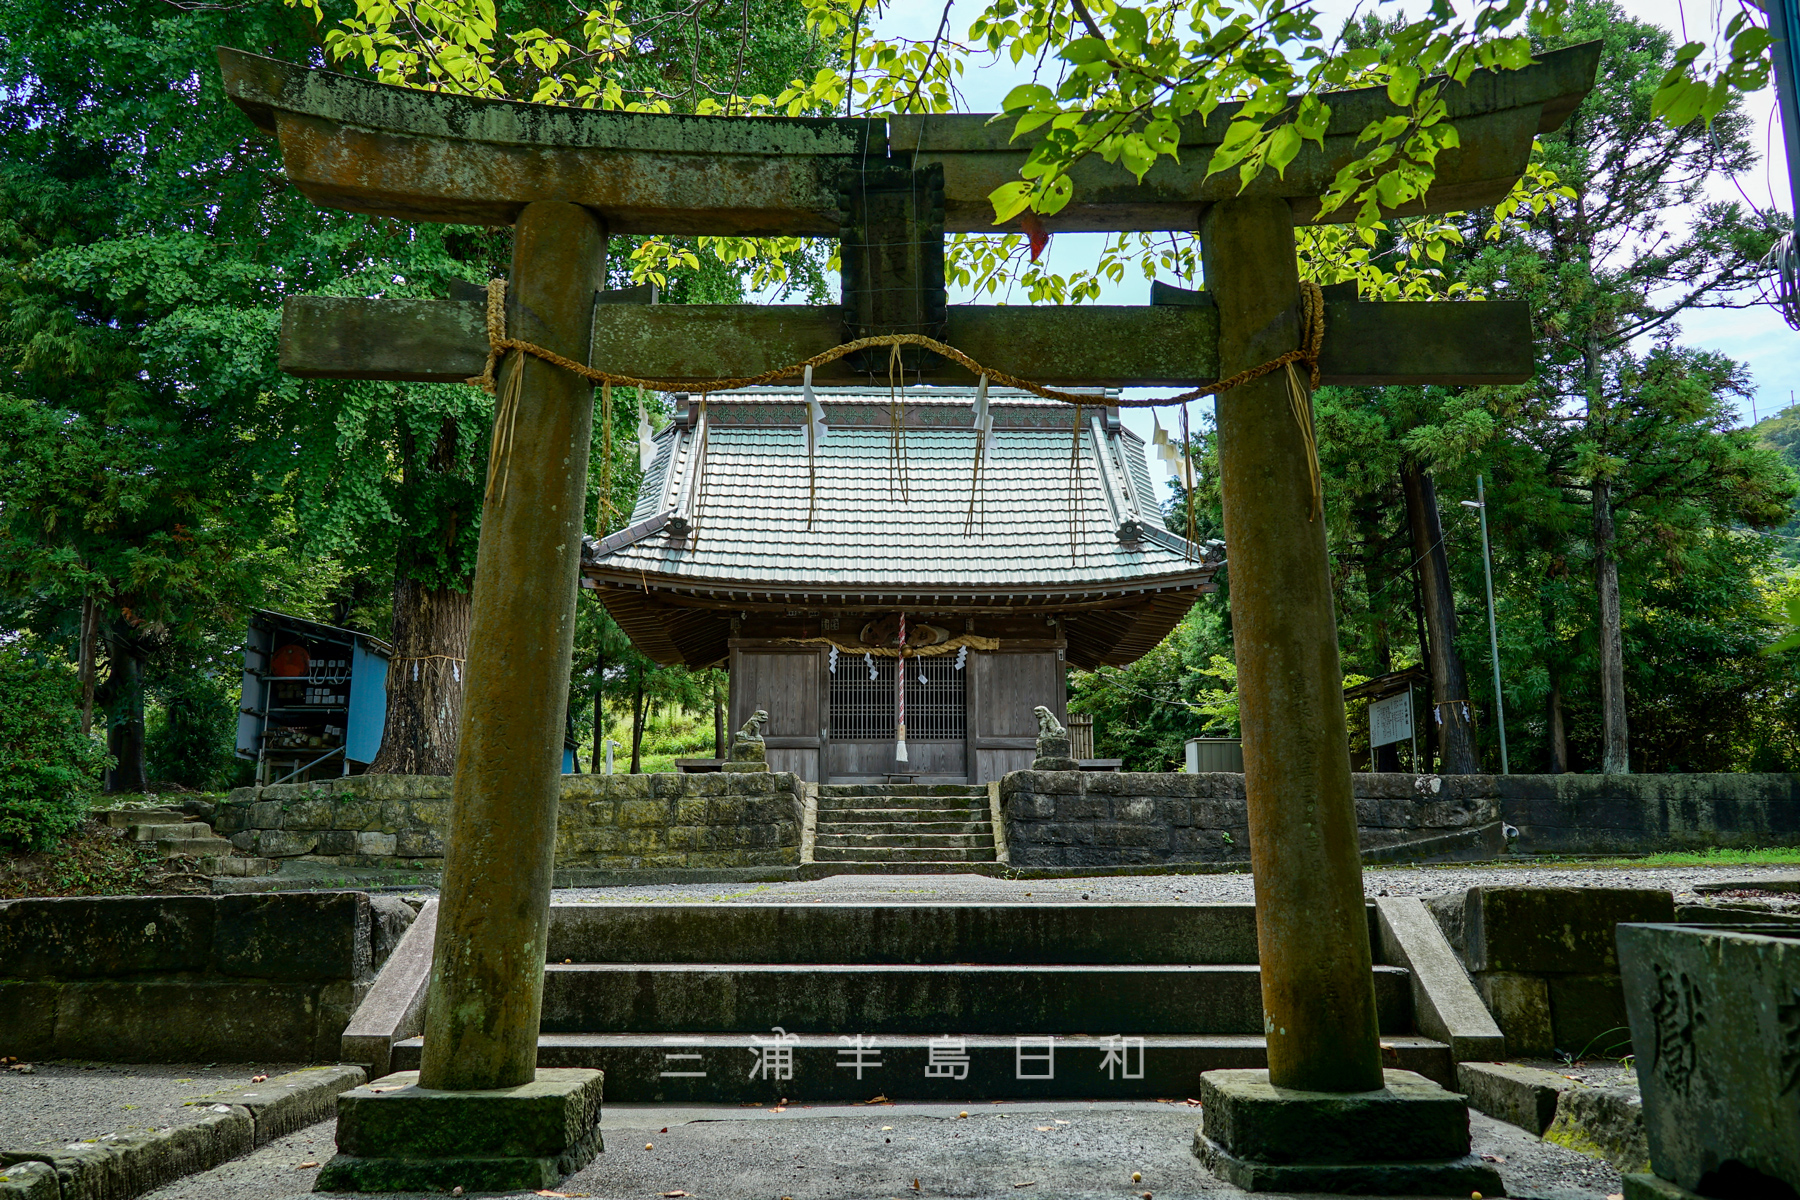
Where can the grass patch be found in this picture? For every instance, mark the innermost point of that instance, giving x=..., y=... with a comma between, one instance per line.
x=95, y=860
x=1719, y=856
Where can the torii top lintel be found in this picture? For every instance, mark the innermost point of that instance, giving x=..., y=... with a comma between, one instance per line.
x=433, y=156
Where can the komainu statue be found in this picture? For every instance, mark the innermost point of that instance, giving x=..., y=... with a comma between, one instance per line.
x=747, y=746
x=1053, y=752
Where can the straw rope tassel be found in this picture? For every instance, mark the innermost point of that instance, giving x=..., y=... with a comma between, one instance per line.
x=605, y=515
x=982, y=433
x=812, y=447
x=1187, y=485
x=1074, y=480
x=506, y=415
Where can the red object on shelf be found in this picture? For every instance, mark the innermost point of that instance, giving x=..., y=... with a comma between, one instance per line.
x=290, y=661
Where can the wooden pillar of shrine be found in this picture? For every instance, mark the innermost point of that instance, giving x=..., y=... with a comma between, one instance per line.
x=1311, y=925
x=487, y=969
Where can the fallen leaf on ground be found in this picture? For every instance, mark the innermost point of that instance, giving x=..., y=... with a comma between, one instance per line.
x=304, y=1166
x=915, y=1185
x=1059, y=1121
x=1045, y=1128
x=665, y=1129
x=1028, y=1183
x=1493, y=1158
x=670, y=1194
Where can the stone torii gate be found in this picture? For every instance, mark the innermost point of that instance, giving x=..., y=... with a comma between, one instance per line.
x=890, y=187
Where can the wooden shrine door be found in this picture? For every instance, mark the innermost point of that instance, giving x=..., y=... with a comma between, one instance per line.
x=1004, y=687
x=862, y=743
x=789, y=685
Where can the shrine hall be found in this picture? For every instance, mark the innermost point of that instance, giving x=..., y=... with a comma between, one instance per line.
x=791, y=559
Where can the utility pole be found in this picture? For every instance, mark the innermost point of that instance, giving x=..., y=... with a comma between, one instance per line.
x=1487, y=567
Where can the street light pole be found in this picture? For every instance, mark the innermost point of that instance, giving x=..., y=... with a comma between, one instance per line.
x=1487, y=566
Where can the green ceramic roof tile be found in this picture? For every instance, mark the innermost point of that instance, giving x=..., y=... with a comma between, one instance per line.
x=1040, y=514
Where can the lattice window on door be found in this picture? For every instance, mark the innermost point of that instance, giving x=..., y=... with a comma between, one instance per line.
x=862, y=709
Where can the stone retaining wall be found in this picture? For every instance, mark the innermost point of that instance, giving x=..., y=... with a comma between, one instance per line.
x=189, y=978
x=1070, y=819
x=748, y=819
x=1640, y=814
x=1100, y=819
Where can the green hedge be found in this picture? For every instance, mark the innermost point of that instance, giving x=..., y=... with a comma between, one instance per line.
x=49, y=771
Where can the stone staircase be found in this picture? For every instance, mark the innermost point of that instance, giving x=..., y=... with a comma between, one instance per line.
x=753, y=1003
x=914, y=827
x=175, y=833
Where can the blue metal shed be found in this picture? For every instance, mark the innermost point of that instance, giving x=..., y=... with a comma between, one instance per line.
x=314, y=698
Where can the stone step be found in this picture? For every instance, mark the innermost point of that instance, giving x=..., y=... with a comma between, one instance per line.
x=165, y=832
x=835, y=826
x=121, y=818
x=923, y=999
x=824, y=870
x=639, y=1069
x=193, y=847
x=236, y=865
x=911, y=816
x=974, y=804
x=971, y=791
x=1071, y=932
x=928, y=853
x=903, y=838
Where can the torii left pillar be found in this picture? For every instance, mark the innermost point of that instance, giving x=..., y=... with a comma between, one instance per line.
x=479, y=1114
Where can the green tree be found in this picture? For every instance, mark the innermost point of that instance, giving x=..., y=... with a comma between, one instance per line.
x=47, y=764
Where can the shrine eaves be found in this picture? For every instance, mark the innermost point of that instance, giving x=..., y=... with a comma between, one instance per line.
x=877, y=183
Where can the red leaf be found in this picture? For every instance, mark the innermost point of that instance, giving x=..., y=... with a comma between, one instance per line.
x=1035, y=231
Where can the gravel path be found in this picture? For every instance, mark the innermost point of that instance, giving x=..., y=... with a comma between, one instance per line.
x=1165, y=889
x=1071, y=1150
x=63, y=1102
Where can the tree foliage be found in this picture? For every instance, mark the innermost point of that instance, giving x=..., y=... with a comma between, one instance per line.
x=47, y=765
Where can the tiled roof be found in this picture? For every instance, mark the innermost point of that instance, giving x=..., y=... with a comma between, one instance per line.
x=881, y=524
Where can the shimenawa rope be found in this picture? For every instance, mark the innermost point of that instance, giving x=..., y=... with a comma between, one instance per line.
x=1312, y=312
x=1312, y=325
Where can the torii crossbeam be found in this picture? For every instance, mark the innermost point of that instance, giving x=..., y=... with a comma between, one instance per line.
x=889, y=187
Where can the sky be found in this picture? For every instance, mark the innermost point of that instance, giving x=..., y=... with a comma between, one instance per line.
x=1757, y=337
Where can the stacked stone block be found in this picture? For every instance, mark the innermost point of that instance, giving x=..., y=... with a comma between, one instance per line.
x=1093, y=819
x=749, y=819
x=185, y=978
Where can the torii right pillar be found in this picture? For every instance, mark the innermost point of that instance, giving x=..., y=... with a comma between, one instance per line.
x=1324, y=1116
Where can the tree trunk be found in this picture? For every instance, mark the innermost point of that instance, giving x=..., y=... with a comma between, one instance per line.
x=90, y=630
x=637, y=724
x=1375, y=581
x=1555, y=735
x=431, y=644
x=1449, y=685
x=599, y=710
x=570, y=742
x=123, y=700
x=1425, y=662
x=1615, y=748
x=425, y=679
x=718, y=720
